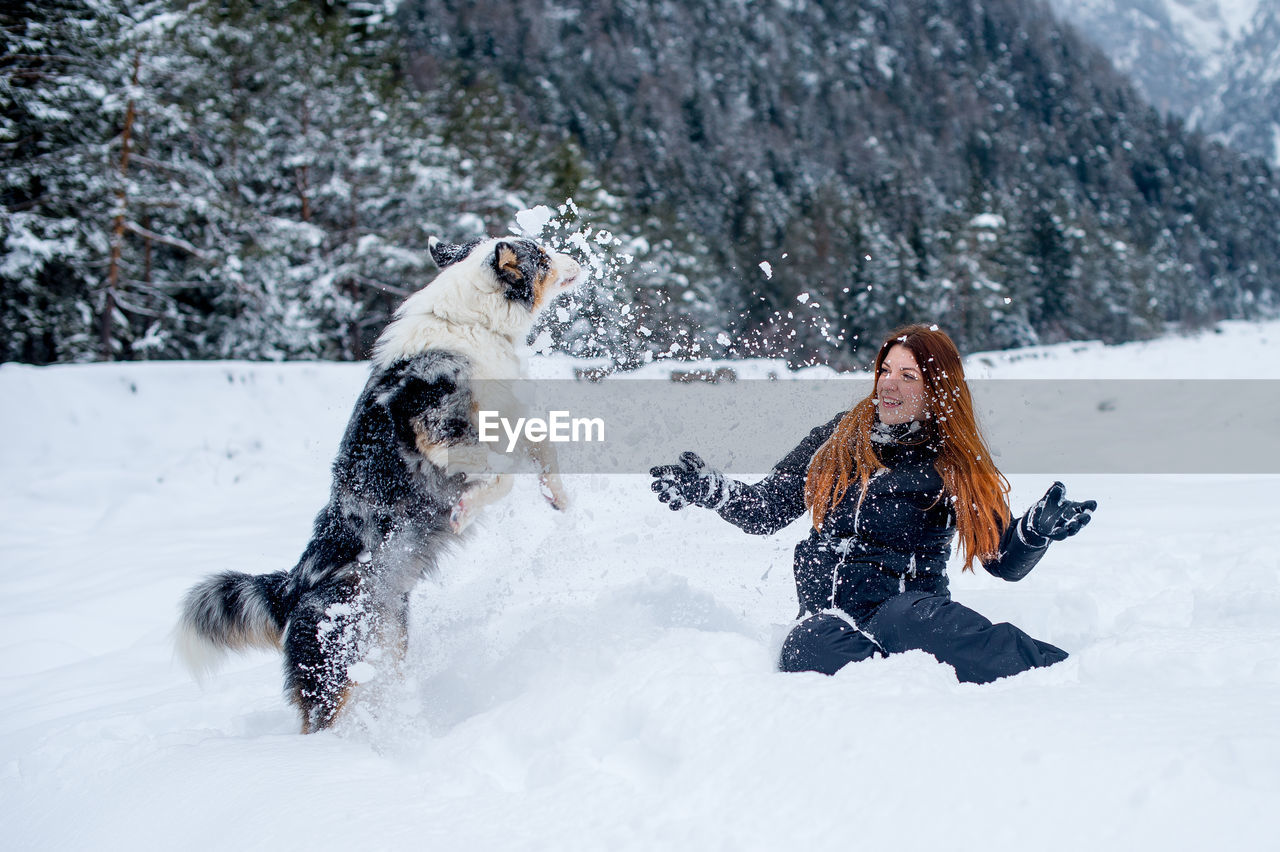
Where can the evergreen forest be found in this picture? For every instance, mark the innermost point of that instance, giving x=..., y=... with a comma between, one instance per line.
x=259, y=180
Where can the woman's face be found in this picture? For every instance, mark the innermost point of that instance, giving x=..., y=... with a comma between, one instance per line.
x=900, y=395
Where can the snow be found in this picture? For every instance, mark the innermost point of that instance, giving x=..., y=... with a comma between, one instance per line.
x=1230, y=350
x=1236, y=15
x=885, y=56
x=603, y=679
x=1211, y=28
x=533, y=220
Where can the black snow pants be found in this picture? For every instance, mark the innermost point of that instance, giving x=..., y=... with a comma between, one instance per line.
x=978, y=650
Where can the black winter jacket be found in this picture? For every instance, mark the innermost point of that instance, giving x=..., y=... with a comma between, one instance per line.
x=897, y=540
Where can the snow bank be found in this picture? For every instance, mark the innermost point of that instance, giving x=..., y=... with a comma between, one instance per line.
x=603, y=679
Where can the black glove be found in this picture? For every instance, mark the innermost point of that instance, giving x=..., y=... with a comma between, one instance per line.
x=1053, y=517
x=690, y=481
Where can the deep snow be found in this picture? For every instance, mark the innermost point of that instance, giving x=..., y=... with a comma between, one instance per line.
x=604, y=679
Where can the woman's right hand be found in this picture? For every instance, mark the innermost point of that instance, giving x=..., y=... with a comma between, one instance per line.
x=689, y=481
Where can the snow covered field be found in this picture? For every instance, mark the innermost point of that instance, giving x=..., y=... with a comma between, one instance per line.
x=604, y=679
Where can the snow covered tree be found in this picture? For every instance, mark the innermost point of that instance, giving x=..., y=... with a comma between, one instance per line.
x=95, y=182
x=216, y=179
x=223, y=178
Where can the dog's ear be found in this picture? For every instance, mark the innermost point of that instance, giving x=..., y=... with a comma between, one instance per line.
x=446, y=254
x=514, y=273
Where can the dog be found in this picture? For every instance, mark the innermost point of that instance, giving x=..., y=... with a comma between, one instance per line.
x=409, y=477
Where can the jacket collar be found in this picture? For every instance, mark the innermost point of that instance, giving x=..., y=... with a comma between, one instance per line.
x=897, y=442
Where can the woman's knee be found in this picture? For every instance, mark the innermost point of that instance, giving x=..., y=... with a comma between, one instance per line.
x=824, y=643
x=901, y=622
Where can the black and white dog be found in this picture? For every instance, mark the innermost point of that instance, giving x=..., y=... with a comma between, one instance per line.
x=409, y=476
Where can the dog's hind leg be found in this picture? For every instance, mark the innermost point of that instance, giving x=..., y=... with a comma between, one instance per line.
x=317, y=717
x=330, y=632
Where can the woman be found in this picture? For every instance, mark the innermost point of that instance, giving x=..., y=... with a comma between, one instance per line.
x=889, y=484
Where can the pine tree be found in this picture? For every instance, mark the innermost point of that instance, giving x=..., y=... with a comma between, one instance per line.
x=216, y=179
x=93, y=172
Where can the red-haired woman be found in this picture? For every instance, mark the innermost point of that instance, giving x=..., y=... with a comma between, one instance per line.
x=889, y=484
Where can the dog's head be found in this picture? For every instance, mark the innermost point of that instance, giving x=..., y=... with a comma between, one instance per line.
x=528, y=273
x=499, y=285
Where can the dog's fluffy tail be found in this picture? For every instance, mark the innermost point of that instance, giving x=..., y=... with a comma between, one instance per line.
x=230, y=612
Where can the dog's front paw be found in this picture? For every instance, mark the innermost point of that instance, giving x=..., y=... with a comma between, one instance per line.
x=553, y=491
x=462, y=515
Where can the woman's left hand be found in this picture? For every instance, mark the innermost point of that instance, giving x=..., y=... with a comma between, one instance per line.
x=1056, y=517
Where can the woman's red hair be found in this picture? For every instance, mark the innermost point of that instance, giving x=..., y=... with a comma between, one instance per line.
x=979, y=493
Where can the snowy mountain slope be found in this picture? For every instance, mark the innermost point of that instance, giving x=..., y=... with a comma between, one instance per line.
x=1172, y=51
x=603, y=679
x=1214, y=62
x=1248, y=115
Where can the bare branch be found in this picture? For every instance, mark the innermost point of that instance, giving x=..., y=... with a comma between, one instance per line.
x=175, y=242
x=379, y=285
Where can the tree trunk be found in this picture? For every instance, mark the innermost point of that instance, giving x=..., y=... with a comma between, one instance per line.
x=354, y=336
x=148, y=243
x=302, y=175
x=353, y=289
x=117, y=227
